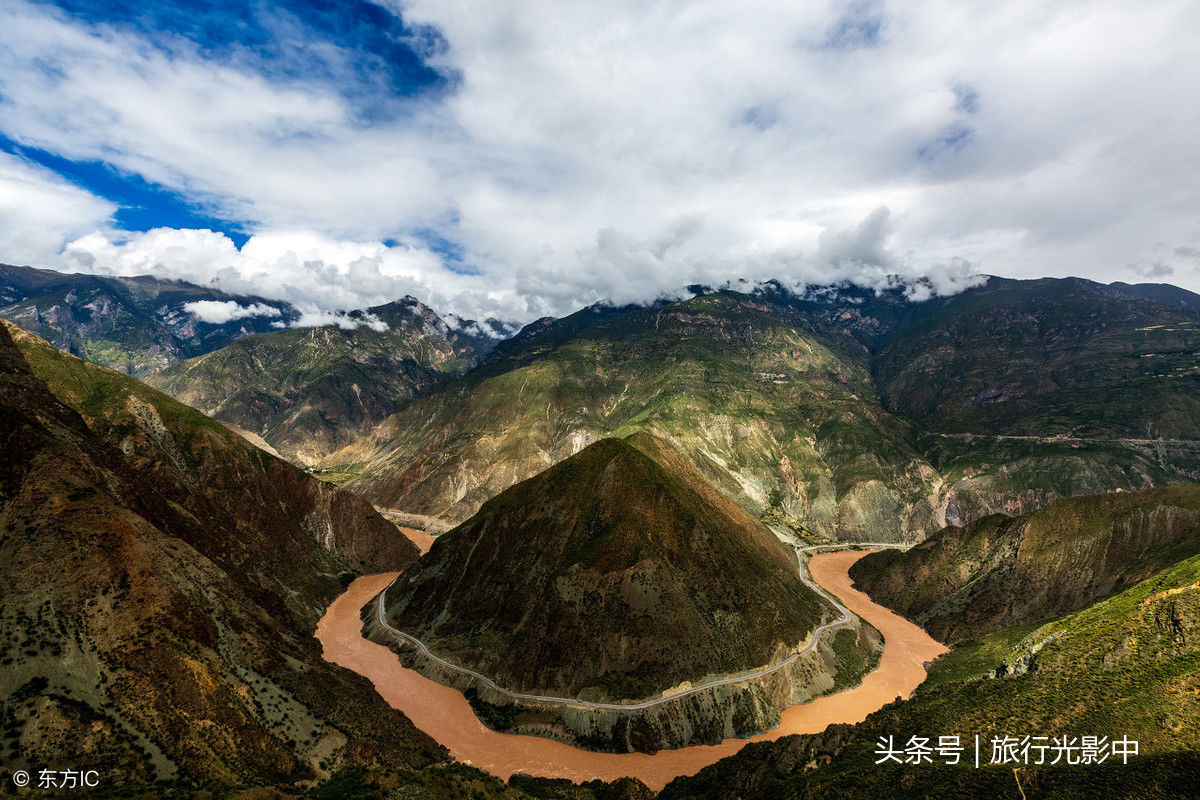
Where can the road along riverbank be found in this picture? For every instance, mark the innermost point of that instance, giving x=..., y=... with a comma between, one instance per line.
x=445, y=714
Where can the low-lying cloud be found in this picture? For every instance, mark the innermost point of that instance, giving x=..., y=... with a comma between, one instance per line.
x=218, y=312
x=313, y=317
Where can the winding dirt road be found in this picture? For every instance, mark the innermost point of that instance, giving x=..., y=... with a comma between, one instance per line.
x=843, y=618
x=445, y=714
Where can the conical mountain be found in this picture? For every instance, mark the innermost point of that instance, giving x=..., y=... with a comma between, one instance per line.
x=617, y=574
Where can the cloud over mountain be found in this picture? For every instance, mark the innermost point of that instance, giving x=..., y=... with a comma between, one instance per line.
x=521, y=158
x=218, y=312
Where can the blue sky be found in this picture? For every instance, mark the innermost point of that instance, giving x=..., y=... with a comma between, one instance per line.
x=519, y=158
x=358, y=49
x=140, y=205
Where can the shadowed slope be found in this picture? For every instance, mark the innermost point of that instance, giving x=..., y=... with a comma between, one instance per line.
x=147, y=632
x=615, y=574
x=215, y=474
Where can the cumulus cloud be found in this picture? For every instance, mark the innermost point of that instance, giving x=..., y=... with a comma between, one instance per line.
x=625, y=150
x=314, y=317
x=218, y=312
x=319, y=275
x=38, y=210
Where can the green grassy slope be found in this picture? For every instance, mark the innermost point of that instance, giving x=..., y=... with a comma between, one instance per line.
x=779, y=417
x=1124, y=666
x=1004, y=571
x=310, y=391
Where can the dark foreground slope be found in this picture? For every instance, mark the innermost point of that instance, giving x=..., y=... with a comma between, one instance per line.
x=148, y=632
x=310, y=391
x=1000, y=571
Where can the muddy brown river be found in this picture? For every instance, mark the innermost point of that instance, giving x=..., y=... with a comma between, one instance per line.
x=445, y=714
x=421, y=539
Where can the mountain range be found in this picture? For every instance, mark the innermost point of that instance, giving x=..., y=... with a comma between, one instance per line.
x=302, y=390
x=135, y=325
x=810, y=410
x=613, y=471
x=309, y=391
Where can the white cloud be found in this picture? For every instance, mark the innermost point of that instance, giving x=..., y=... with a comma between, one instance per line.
x=319, y=275
x=626, y=149
x=196, y=255
x=39, y=211
x=218, y=312
x=317, y=317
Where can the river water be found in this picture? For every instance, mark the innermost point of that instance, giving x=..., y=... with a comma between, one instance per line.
x=445, y=714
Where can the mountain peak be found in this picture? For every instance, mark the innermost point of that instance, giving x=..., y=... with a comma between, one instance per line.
x=623, y=573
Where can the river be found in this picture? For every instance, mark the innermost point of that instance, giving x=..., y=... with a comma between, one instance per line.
x=445, y=714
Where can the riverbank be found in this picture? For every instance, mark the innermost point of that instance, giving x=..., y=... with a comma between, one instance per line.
x=445, y=714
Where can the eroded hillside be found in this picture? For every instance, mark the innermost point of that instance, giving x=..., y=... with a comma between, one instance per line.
x=157, y=625
x=779, y=417
x=844, y=415
x=1002, y=571
x=310, y=391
